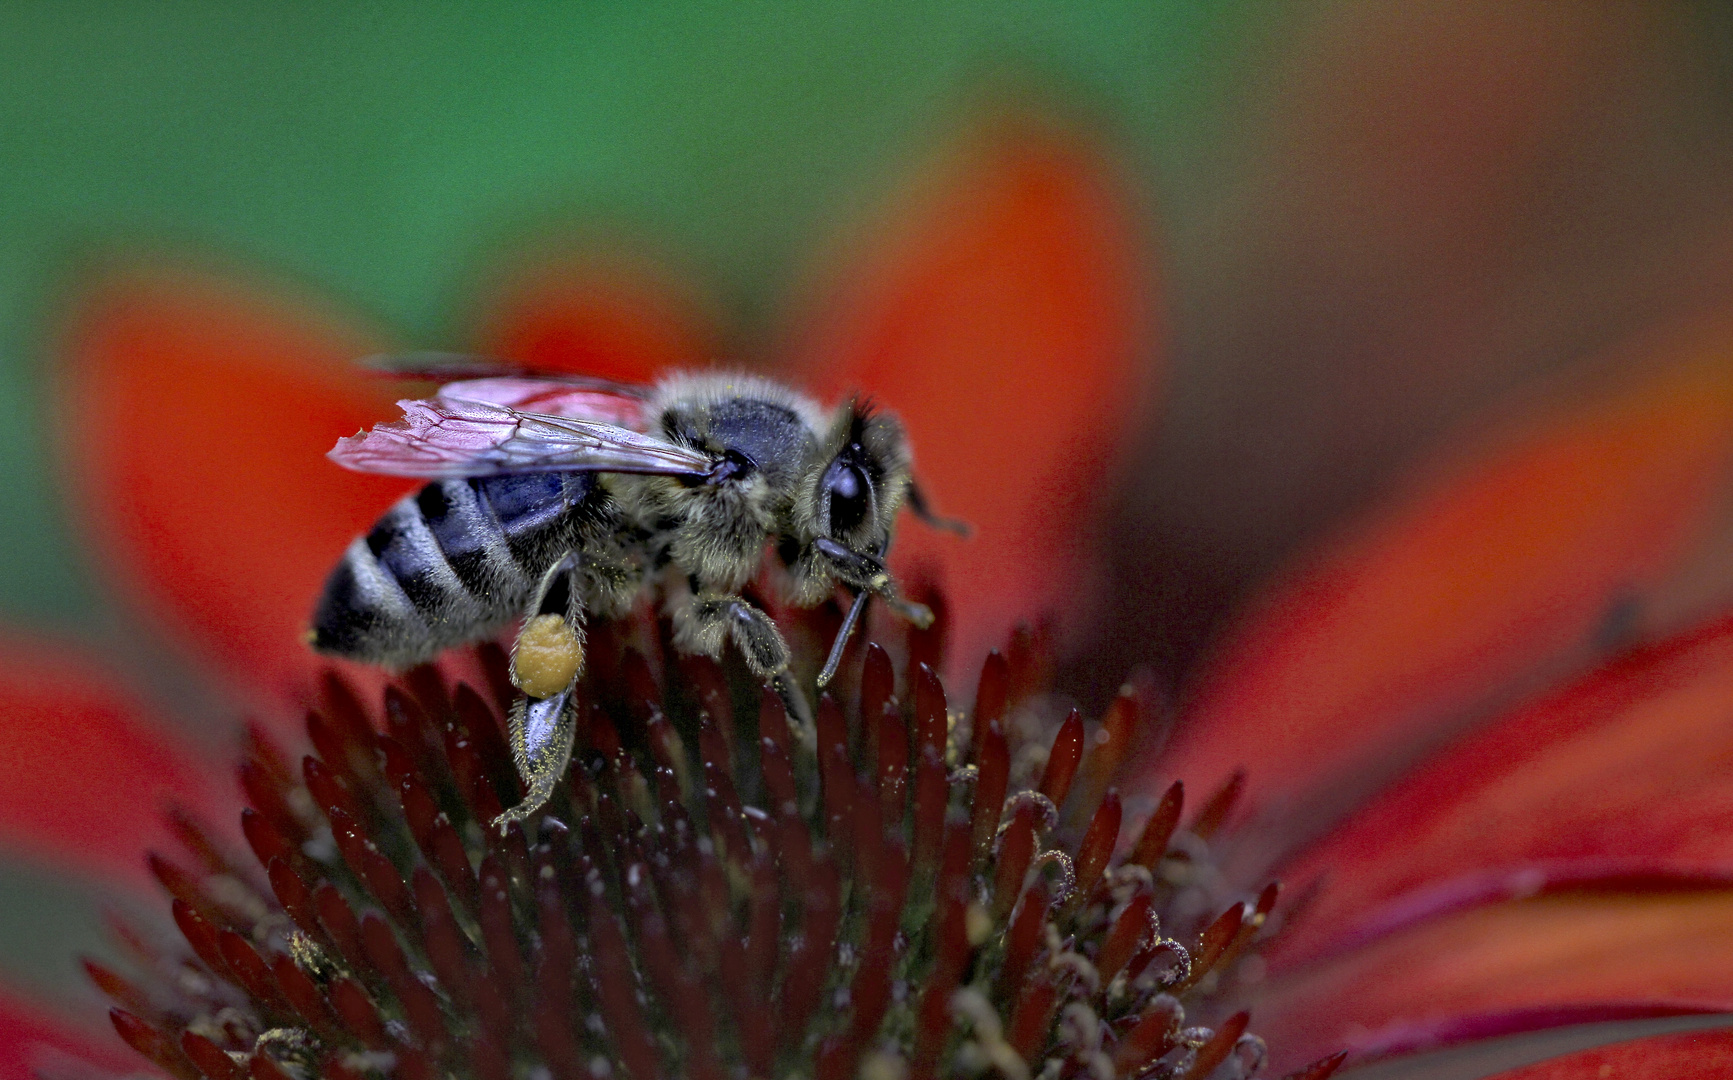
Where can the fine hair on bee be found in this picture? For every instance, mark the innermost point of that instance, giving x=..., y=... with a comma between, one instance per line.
x=556, y=499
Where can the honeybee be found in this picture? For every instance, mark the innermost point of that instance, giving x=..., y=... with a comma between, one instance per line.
x=555, y=499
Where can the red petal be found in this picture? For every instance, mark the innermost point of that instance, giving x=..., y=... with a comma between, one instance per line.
x=198, y=415
x=1505, y=571
x=1624, y=774
x=1692, y=1055
x=612, y=316
x=1001, y=313
x=84, y=776
x=34, y=1043
x=1658, y=951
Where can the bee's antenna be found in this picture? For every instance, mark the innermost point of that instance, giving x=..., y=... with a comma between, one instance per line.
x=918, y=503
x=842, y=635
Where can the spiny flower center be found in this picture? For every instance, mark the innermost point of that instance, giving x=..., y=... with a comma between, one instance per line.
x=906, y=890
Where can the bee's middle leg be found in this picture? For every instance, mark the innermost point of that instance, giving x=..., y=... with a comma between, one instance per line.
x=719, y=615
x=715, y=616
x=546, y=660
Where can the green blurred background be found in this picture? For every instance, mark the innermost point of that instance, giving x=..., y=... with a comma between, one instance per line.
x=1377, y=219
x=388, y=154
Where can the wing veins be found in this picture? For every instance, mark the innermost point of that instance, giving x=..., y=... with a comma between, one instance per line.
x=452, y=437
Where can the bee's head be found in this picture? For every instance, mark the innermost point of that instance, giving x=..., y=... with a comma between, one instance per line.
x=847, y=500
x=846, y=508
x=858, y=482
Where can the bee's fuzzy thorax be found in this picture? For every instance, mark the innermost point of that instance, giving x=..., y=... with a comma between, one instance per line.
x=712, y=387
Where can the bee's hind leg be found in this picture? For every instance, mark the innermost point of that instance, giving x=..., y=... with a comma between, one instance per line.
x=546, y=660
x=542, y=731
x=548, y=655
x=716, y=615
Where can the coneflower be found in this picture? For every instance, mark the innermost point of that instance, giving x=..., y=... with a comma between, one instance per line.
x=1494, y=815
x=910, y=889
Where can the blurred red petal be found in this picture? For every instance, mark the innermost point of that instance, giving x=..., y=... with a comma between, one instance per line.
x=1628, y=773
x=1516, y=567
x=610, y=316
x=85, y=776
x=197, y=415
x=1001, y=313
x=35, y=1043
x=1640, y=951
x=1692, y=1055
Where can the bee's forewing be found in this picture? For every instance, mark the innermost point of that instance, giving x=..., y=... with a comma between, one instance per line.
x=444, y=438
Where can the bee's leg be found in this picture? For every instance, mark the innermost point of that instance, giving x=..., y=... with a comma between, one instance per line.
x=749, y=628
x=549, y=651
x=761, y=643
x=868, y=573
x=542, y=731
x=546, y=660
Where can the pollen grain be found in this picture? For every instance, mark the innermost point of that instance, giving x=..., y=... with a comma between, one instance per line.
x=547, y=658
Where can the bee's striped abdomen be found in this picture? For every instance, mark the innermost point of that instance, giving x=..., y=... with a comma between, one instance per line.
x=446, y=565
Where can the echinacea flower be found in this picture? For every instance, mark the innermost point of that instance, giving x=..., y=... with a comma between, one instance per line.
x=1464, y=852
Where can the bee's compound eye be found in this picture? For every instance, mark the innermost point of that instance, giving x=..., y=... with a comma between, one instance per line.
x=845, y=487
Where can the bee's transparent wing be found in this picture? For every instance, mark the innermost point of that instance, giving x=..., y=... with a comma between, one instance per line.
x=442, y=438
x=500, y=382
x=452, y=366
x=591, y=399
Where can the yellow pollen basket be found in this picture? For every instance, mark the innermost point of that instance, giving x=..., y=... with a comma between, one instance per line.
x=548, y=656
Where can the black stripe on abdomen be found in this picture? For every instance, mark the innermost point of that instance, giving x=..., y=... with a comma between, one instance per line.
x=531, y=509
x=348, y=618
x=462, y=526
x=406, y=549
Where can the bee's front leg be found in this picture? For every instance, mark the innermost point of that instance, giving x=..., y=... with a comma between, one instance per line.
x=868, y=574
x=546, y=660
